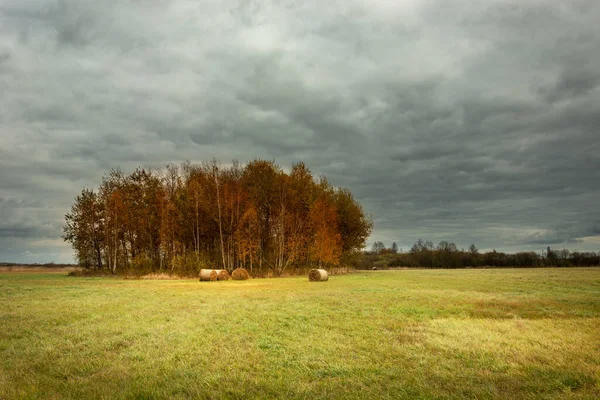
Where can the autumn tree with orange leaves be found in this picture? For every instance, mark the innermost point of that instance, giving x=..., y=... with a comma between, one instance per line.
x=183, y=218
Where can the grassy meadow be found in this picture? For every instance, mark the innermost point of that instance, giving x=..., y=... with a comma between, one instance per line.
x=495, y=333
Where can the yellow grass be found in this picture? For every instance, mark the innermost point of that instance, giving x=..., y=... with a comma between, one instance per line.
x=386, y=334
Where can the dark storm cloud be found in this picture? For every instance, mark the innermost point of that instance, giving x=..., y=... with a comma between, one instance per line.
x=572, y=83
x=463, y=121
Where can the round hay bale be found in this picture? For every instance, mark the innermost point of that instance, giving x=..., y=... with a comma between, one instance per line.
x=318, y=275
x=222, y=274
x=240, y=274
x=208, y=275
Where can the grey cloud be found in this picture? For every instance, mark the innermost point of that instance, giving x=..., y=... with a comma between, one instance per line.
x=469, y=122
x=572, y=83
x=26, y=219
x=563, y=235
x=4, y=57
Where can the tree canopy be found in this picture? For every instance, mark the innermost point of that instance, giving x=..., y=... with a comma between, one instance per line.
x=183, y=218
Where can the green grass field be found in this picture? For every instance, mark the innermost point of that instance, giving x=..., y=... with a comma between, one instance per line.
x=500, y=333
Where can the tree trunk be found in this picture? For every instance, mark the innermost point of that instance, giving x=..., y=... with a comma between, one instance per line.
x=220, y=224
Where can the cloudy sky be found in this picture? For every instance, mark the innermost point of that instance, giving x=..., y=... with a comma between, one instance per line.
x=473, y=122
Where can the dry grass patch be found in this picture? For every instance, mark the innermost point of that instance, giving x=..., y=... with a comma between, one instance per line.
x=161, y=277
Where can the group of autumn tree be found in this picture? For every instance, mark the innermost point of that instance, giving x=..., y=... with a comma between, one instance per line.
x=183, y=218
x=423, y=254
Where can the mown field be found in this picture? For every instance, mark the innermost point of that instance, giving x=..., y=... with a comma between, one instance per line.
x=531, y=333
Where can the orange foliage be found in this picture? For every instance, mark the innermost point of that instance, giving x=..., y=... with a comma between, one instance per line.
x=254, y=216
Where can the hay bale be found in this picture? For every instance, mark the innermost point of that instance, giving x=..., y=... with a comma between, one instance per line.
x=318, y=275
x=240, y=274
x=222, y=274
x=208, y=275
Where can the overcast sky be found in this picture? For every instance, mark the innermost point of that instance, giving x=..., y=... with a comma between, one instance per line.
x=467, y=121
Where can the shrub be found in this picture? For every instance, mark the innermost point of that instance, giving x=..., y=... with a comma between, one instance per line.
x=189, y=264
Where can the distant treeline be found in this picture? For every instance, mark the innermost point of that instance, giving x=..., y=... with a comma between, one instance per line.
x=44, y=265
x=423, y=254
x=184, y=218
